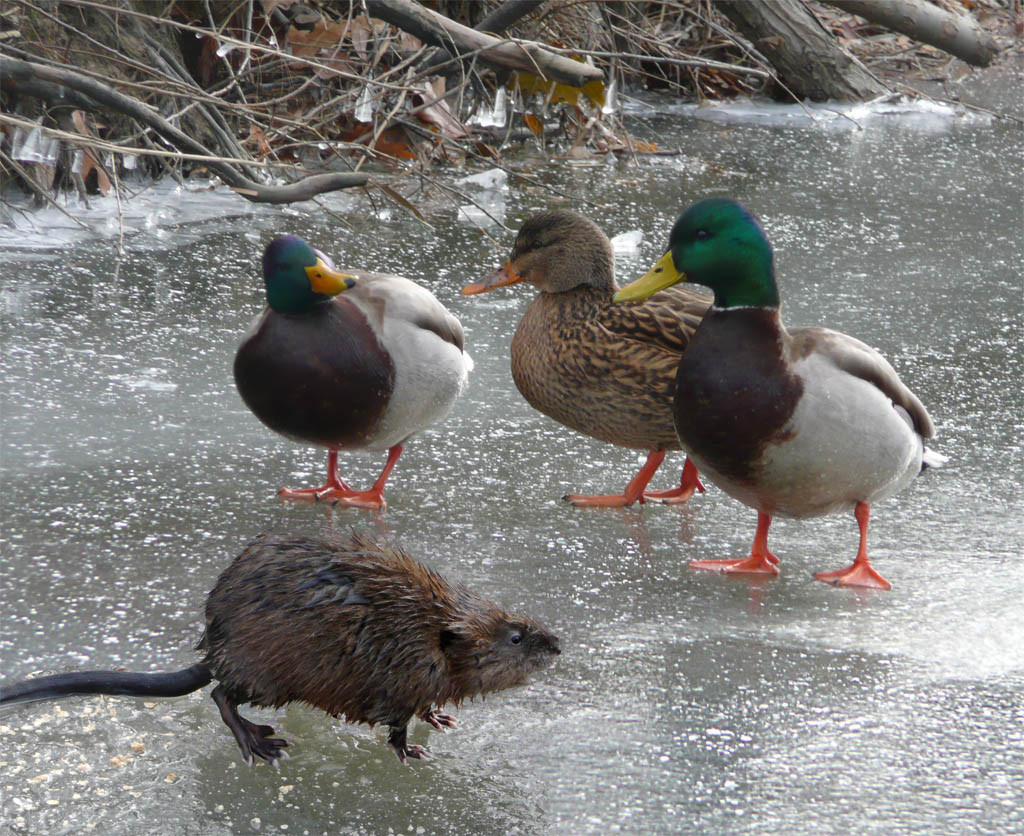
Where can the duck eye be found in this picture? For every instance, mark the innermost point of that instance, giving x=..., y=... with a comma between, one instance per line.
x=703, y=234
x=516, y=638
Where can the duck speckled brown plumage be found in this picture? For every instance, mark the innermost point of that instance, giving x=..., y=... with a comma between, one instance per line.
x=605, y=370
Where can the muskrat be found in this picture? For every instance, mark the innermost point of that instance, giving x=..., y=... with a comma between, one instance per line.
x=351, y=627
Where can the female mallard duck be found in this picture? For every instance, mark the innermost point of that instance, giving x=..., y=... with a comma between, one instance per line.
x=348, y=361
x=798, y=422
x=602, y=369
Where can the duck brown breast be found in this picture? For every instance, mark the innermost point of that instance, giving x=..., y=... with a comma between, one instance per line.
x=320, y=377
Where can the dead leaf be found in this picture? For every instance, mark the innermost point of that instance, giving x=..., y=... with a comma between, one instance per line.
x=308, y=42
x=258, y=138
x=556, y=92
x=270, y=5
x=90, y=162
x=534, y=124
x=401, y=201
x=207, y=59
x=437, y=112
x=364, y=34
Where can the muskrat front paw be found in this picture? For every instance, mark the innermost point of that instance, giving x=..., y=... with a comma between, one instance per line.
x=439, y=719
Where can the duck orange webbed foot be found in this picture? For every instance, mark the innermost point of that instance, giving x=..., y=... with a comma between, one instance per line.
x=756, y=564
x=337, y=495
x=860, y=573
x=371, y=499
x=336, y=492
x=612, y=500
x=689, y=484
x=636, y=490
x=760, y=562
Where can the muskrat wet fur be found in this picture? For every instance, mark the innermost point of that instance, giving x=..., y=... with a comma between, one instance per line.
x=357, y=629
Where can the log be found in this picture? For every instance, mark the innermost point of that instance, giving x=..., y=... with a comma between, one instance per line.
x=437, y=30
x=959, y=35
x=27, y=74
x=495, y=23
x=807, y=58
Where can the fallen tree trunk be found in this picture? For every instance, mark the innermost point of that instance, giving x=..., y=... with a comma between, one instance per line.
x=495, y=23
x=807, y=58
x=437, y=30
x=959, y=35
x=25, y=77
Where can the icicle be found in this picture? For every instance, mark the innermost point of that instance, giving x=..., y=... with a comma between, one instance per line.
x=364, y=107
x=499, y=117
x=611, y=97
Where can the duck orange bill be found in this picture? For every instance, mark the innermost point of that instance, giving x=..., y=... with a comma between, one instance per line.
x=504, y=275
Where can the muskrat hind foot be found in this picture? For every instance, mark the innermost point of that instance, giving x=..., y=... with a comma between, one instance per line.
x=439, y=720
x=252, y=739
x=261, y=744
x=404, y=750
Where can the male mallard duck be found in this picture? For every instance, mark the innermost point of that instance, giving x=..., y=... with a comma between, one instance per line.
x=799, y=422
x=348, y=361
x=602, y=369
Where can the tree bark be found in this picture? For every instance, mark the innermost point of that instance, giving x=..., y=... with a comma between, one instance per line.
x=495, y=23
x=959, y=35
x=437, y=30
x=24, y=76
x=807, y=58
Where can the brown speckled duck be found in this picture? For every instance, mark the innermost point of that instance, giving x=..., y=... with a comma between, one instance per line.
x=604, y=370
x=348, y=361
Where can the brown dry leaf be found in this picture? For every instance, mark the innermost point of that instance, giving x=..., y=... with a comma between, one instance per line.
x=534, y=124
x=363, y=36
x=437, y=112
x=643, y=147
x=90, y=162
x=400, y=200
x=409, y=42
x=487, y=150
x=270, y=5
x=308, y=42
x=258, y=138
x=394, y=142
x=207, y=59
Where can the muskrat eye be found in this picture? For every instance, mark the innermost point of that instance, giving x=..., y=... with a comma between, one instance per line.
x=516, y=638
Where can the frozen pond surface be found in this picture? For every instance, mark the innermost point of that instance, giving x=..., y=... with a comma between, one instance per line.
x=684, y=702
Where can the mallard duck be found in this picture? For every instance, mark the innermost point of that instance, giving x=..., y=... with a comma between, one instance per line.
x=347, y=361
x=798, y=422
x=604, y=370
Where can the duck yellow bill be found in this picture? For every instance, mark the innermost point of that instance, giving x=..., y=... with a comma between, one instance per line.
x=663, y=274
x=504, y=275
x=327, y=280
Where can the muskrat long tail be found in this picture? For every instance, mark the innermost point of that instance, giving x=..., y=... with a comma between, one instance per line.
x=107, y=682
